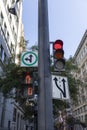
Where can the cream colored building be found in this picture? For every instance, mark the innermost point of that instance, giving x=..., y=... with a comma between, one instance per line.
x=11, y=31
x=80, y=109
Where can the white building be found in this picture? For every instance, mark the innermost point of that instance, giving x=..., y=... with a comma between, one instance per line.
x=80, y=109
x=11, y=30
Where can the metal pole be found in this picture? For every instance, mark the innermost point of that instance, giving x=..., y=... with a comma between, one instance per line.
x=45, y=115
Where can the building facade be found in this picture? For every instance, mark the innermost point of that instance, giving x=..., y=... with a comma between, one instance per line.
x=80, y=109
x=11, y=31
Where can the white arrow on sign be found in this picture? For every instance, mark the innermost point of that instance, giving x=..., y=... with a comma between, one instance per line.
x=29, y=59
x=60, y=87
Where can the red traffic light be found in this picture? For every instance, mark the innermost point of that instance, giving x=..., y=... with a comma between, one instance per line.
x=58, y=44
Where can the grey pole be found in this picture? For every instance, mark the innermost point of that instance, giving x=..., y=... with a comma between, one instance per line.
x=45, y=115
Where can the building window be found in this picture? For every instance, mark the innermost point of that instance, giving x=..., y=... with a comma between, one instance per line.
x=5, y=28
x=5, y=58
x=1, y=52
x=3, y=55
x=13, y=1
x=7, y=36
x=85, y=107
x=86, y=118
x=5, y=1
x=11, y=46
x=1, y=18
x=14, y=114
x=10, y=18
x=15, y=36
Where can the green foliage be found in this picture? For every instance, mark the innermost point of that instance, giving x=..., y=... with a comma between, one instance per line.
x=73, y=83
x=10, y=77
x=73, y=87
x=70, y=120
x=23, y=43
x=70, y=65
x=58, y=105
x=28, y=112
x=34, y=47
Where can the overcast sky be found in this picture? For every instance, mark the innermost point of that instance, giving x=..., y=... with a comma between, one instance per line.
x=67, y=21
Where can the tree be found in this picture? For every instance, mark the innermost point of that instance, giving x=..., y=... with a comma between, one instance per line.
x=22, y=47
x=70, y=70
x=22, y=43
x=12, y=77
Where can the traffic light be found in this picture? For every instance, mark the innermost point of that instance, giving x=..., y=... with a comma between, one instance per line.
x=30, y=91
x=58, y=55
x=27, y=84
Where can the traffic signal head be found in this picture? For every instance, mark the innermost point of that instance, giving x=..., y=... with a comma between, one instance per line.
x=58, y=55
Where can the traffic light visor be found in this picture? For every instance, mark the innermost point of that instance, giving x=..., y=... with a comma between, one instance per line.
x=58, y=44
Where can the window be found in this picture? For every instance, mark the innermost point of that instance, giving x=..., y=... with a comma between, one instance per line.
x=14, y=114
x=1, y=18
x=1, y=52
x=3, y=55
x=5, y=28
x=5, y=2
x=11, y=46
x=7, y=36
x=10, y=18
x=86, y=118
x=13, y=1
x=5, y=58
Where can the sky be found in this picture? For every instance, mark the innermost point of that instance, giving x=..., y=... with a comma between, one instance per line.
x=67, y=21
